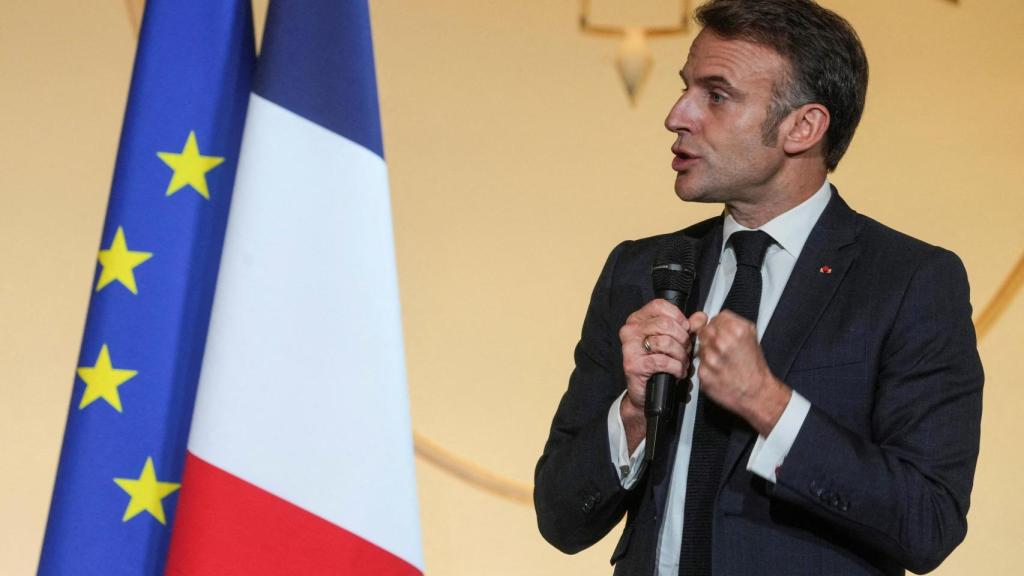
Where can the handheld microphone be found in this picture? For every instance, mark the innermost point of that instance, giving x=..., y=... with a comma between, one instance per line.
x=672, y=276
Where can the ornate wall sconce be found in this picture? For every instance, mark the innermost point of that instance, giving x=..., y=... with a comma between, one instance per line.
x=634, y=60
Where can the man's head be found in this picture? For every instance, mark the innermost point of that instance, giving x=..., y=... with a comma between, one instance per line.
x=826, y=62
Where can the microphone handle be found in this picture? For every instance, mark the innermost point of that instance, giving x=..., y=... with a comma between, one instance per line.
x=661, y=388
x=675, y=297
x=660, y=393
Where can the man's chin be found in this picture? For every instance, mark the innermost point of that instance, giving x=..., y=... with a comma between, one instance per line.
x=690, y=191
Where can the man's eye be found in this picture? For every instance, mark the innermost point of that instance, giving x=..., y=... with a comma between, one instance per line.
x=716, y=97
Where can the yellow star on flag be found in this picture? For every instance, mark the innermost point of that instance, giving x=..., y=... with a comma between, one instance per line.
x=119, y=263
x=102, y=380
x=190, y=167
x=147, y=493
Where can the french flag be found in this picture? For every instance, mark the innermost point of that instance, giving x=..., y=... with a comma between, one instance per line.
x=300, y=457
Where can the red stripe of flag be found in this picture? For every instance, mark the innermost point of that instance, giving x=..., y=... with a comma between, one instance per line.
x=227, y=526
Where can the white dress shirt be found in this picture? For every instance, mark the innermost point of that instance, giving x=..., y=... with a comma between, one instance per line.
x=790, y=231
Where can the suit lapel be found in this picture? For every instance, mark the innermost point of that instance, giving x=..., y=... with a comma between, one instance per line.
x=826, y=257
x=710, y=251
x=823, y=263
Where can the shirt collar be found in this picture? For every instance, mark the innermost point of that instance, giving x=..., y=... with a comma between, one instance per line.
x=791, y=228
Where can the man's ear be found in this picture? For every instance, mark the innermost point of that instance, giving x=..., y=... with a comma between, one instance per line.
x=807, y=127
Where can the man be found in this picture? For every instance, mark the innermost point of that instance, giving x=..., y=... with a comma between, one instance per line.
x=834, y=415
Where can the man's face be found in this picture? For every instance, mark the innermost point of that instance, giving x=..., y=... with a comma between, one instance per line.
x=720, y=153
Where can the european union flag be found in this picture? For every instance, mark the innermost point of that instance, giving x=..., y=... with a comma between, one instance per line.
x=131, y=405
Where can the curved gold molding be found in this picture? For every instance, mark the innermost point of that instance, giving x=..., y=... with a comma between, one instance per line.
x=1001, y=301
x=470, y=473
x=520, y=493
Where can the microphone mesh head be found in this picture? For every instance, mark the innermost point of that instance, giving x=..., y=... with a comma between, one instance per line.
x=674, y=265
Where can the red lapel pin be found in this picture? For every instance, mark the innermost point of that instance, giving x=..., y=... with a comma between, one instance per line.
x=825, y=269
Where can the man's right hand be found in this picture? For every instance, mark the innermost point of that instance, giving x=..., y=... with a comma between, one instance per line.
x=667, y=333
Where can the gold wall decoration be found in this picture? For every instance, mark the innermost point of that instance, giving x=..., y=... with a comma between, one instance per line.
x=634, y=60
x=471, y=473
x=1010, y=287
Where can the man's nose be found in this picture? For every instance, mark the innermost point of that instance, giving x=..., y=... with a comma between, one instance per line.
x=681, y=115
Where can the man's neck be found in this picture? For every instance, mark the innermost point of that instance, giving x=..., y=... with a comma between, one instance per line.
x=783, y=197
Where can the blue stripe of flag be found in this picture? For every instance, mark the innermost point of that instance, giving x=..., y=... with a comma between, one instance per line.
x=317, y=61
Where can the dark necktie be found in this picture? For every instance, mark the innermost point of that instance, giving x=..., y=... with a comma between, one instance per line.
x=713, y=423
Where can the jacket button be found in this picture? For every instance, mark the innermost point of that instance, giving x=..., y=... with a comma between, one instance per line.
x=816, y=489
x=834, y=500
x=589, y=502
x=844, y=505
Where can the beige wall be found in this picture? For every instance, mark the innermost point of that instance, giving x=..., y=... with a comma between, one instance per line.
x=516, y=164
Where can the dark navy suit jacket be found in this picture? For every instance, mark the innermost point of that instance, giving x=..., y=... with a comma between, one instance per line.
x=874, y=329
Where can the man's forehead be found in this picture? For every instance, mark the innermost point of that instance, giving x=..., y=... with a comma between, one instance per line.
x=730, y=59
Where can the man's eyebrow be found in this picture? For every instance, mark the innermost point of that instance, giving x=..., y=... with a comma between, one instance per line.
x=713, y=80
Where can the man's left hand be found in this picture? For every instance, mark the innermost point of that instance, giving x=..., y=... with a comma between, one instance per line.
x=734, y=373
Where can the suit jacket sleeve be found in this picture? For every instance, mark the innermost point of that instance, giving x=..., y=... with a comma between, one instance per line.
x=902, y=485
x=578, y=496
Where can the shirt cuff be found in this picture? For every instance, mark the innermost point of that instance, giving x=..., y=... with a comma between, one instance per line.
x=628, y=466
x=768, y=453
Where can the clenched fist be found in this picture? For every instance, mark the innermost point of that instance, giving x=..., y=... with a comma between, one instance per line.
x=734, y=373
